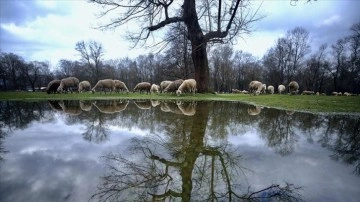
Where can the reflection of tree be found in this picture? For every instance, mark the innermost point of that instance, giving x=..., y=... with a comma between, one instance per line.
x=181, y=167
x=342, y=137
x=278, y=129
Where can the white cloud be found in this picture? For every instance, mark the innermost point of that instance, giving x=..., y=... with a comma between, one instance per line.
x=332, y=20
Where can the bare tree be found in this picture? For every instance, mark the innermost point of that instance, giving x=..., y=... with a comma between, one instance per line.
x=91, y=53
x=218, y=21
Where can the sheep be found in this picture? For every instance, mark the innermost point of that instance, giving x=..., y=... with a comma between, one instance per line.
x=143, y=86
x=104, y=84
x=84, y=85
x=53, y=86
x=270, y=89
x=173, y=86
x=187, y=85
x=256, y=87
x=68, y=83
x=235, y=90
x=154, y=88
x=164, y=84
x=281, y=89
x=263, y=89
x=293, y=88
x=120, y=86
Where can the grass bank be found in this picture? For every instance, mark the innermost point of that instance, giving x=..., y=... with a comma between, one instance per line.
x=310, y=103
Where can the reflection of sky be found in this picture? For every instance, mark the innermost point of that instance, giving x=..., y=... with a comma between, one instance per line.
x=52, y=161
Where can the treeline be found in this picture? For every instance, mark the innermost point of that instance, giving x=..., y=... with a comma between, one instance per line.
x=334, y=67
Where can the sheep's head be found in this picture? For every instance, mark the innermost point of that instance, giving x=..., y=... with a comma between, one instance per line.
x=178, y=92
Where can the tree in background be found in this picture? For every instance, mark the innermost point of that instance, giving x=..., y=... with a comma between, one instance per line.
x=205, y=21
x=91, y=53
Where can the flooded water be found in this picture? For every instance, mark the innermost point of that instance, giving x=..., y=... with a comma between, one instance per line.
x=142, y=150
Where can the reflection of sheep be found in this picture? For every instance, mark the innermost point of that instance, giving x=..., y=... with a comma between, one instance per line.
x=172, y=107
x=164, y=107
x=71, y=107
x=189, y=85
x=111, y=106
x=293, y=87
x=270, y=89
x=54, y=104
x=143, y=86
x=84, y=85
x=173, y=86
x=256, y=87
x=164, y=84
x=52, y=86
x=154, y=88
x=155, y=103
x=187, y=108
x=281, y=89
x=254, y=110
x=68, y=83
x=85, y=105
x=104, y=84
x=120, y=86
x=143, y=104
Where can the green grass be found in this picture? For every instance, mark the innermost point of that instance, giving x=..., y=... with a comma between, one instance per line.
x=309, y=103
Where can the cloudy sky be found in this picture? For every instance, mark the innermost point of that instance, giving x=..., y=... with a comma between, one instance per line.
x=49, y=29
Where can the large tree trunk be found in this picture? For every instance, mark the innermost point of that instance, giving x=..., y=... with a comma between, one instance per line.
x=200, y=60
x=198, y=44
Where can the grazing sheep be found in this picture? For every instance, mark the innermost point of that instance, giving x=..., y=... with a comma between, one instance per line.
x=254, y=110
x=335, y=93
x=154, y=88
x=120, y=86
x=293, y=88
x=53, y=86
x=164, y=84
x=256, y=87
x=68, y=83
x=281, y=89
x=84, y=85
x=187, y=85
x=104, y=84
x=263, y=89
x=245, y=92
x=143, y=86
x=270, y=89
x=306, y=92
x=235, y=90
x=347, y=94
x=173, y=86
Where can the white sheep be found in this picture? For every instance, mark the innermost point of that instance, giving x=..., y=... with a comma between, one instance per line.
x=281, y=89
x=270, y=89
x=256, y=87
x=164, y=84
x=84, y=85
x=154, y=88
x=306, y=92
x=68, y=84
x=173, y=86
x=188, y=85
x=104, y=84
x=120, y=86
x=143, y=86
x=293, y=88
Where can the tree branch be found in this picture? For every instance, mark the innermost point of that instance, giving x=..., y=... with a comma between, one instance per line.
x=165, y=22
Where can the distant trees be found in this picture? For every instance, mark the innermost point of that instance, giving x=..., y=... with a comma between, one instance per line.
x=334, y=67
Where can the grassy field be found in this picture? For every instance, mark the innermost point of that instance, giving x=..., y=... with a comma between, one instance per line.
x=309, y=103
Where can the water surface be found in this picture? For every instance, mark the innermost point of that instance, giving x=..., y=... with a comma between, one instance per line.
x=144, y=150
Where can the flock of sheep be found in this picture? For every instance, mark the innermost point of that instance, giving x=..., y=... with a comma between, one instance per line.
x=257, y=88
x=70, y=83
